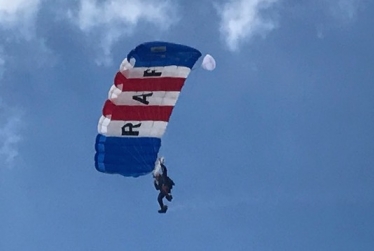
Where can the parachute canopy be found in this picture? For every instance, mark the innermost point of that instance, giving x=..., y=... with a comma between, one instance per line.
x=139, y=105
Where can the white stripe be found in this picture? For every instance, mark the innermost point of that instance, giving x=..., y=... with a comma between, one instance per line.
x=158, y=98
x=125, y=65
x=166, y=71
x=110, y=127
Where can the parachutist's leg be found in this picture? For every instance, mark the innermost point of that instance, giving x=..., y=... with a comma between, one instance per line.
x=161, y=195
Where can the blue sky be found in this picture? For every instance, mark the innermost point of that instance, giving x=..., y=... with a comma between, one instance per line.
x=274, y=150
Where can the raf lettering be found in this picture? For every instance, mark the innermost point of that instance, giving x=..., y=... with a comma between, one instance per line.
x=142, y=98
x=151, y=73
x=127, y=129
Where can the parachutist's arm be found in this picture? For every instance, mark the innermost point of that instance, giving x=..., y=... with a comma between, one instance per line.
x=156, y=185
x=164, y=170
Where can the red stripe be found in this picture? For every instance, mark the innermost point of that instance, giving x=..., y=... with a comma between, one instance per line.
x=141, y=113
x=149, y=84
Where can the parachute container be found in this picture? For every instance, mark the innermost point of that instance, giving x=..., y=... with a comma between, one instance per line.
x=139, y=105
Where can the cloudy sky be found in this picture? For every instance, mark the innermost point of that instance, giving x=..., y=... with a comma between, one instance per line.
x=274, y=150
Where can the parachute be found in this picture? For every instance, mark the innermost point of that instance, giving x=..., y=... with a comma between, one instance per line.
x=139, y=105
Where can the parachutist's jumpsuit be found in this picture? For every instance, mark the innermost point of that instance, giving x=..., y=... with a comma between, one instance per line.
x=164, y=184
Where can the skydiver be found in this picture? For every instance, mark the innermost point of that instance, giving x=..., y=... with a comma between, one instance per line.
x=164, y=184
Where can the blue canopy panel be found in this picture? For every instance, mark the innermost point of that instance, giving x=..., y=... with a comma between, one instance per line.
x=126, y=156
x=153, y=54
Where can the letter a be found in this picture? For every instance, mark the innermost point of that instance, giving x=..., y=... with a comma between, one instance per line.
x=142, y=98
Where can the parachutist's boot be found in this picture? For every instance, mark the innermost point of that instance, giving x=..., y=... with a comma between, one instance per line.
x=169, y=197
x=163, y=210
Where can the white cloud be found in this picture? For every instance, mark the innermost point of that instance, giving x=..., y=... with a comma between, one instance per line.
x=19, y=13
x=113, y=19
x=2, y=63
x=126, y=13
x=344, y=10
x=10, y=122
x=17, y=20
x=243, y=19
x=8, y=125
x=336, y=13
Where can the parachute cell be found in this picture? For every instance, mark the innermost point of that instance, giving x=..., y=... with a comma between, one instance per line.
x=139, y=105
